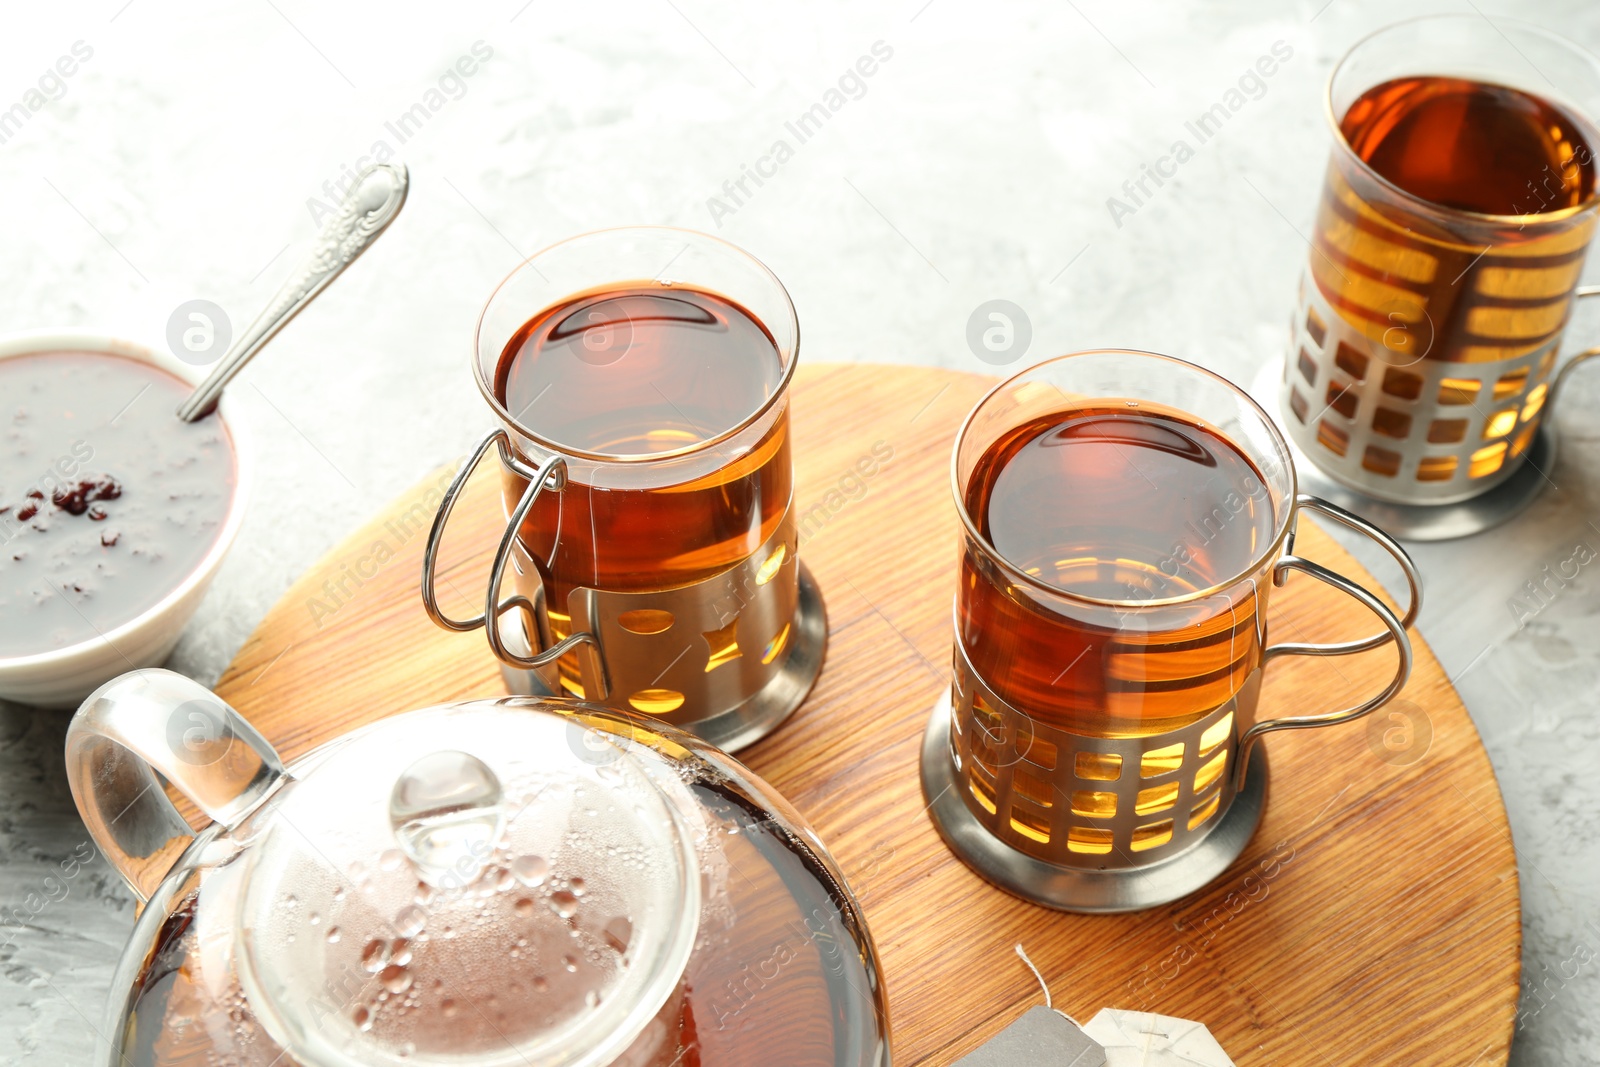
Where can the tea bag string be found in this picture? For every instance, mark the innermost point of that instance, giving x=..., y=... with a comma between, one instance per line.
x=1023, y=955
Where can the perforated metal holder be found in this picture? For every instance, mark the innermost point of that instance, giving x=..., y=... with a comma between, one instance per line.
x=1089, y=824
x=727, y=658
x=1428, y=449
x=751, y=719
x=738, y=655
x=1417, y=522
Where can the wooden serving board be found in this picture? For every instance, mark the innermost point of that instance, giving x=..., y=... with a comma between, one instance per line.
x=1373, y=919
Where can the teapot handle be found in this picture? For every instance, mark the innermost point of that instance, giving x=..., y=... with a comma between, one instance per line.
x=152, y=726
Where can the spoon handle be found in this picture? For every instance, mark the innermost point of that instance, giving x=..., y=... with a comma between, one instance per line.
x=373, y=202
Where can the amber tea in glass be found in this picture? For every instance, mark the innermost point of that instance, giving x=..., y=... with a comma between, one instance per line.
x=1125, y=516
x=1456, y=214
x=640, y=378
x=1124, y=502
x=646, y=370
x=1467, y=146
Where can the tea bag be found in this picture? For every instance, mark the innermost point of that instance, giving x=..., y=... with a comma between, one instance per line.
x=1042, y=1036
x=1140, y=1039
x=1113, y=1038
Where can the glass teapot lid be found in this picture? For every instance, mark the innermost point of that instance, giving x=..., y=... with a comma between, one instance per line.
x=519, y=887
x=480, y=884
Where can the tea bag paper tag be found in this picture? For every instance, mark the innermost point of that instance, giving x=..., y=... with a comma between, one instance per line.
x=1140, y=1039
x=1043, y=1037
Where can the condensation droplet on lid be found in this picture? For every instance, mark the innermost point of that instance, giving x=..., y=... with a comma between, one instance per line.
x=395, y=978
x=333, y=935
x=375, y=956
x=592, y=999
x=363, y=1019
x=338, y=892
x=447, y=812
x=391, y=860
x=618, y=932
x=541, y=984
x=563, y=903
x=570, y=963
x=425, y=894
x=530, y=870
x=410, y=921
x=524, y=906
x=577, y=886
x=400, y=951
x=449, y=1008
x=503, y=880
x=314, y=919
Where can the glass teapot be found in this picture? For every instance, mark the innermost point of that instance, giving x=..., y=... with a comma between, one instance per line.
x=521, y=881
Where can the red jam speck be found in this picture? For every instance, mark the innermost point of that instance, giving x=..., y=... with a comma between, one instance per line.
x=74, y=499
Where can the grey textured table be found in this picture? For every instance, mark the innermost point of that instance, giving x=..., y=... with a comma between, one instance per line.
x=186, y=158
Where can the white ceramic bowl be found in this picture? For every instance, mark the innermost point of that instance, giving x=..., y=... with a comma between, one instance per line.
x=63, y=677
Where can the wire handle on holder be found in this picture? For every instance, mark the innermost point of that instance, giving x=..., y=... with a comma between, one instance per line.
x=1394, y=627
x=1564, y=372
x=550, y=475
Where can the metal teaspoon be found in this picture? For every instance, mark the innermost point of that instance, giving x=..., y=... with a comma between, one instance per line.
x=373, y=202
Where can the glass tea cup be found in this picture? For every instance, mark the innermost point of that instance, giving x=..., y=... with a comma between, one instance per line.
x=1125, y=516
x=1456, y=214
x=640, y=382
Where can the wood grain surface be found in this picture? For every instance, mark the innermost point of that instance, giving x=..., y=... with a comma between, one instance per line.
x=1374, y=918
